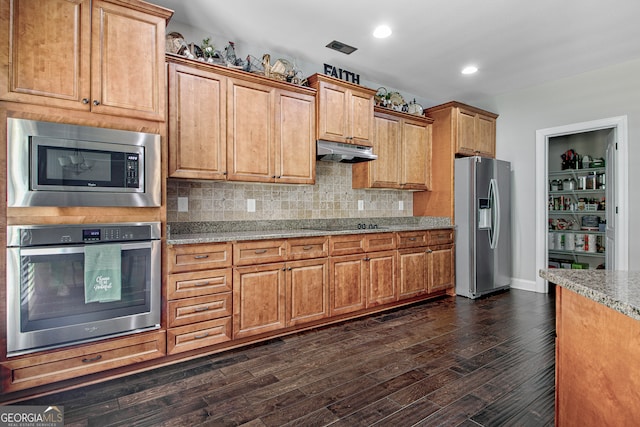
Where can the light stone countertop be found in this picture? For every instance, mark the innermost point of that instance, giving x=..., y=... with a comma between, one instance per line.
x=231, y=236
x=618, y=290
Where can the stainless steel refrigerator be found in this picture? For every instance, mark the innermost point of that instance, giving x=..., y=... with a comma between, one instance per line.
x=483, y=225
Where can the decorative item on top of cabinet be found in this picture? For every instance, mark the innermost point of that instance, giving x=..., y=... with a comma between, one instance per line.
x=103, y=56
x=403, y=145
x=344, y=110
x=231, y=125
x=458, y=129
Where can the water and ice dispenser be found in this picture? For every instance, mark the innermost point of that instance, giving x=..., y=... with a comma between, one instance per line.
x=484, y=214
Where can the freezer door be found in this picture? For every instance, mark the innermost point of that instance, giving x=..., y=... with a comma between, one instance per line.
x=484, y=204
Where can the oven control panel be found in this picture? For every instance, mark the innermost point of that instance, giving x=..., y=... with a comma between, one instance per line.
x=81, y=234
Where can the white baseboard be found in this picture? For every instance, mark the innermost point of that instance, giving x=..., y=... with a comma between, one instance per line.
x=526, y=285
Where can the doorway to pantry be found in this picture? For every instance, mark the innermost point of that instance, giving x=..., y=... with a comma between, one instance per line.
x=581, y=196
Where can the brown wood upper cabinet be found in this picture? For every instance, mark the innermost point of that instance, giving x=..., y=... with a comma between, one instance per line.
x=473, y=130
x=197, y=123
x=458, y=130
x=345, y=111
x=403, y=145
x=230, y=125
x=269, y=134
x=94, y=55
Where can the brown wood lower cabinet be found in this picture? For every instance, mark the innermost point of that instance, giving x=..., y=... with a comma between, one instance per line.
x=219, y=295
x=414, y=272
x=258, y=299
x=441, y=268
x=36, y=370
x=347, y=283
x=307, y=287
x=381, y=278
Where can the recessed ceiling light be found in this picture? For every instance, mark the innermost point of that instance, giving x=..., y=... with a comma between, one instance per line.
x=382, y=32
x=469, y=69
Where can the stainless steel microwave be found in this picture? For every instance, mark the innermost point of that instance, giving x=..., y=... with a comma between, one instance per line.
x=55, y=164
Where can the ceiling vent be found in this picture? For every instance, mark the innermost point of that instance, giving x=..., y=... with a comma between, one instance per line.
x=341, y=47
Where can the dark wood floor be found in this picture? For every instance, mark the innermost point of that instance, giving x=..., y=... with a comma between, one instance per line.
x=452, y=362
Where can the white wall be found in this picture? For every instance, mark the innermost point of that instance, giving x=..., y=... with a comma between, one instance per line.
x=607, y=92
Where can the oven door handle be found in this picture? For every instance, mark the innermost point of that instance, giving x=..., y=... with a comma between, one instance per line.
x=64, y=250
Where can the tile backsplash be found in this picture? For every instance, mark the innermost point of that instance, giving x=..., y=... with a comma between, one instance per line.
x=331, y=197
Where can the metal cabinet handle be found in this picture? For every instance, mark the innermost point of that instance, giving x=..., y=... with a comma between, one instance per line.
x=202, y=283
x=92, y=359
x=260, y=251
x=307, y=248
x=428, y=251
x=96, y=102
x=199, y=337
x=85, y=100
x=201, y=309
x=200, y=256
x=413, y=239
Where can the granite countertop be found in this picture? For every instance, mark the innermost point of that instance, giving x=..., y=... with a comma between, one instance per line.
x=618, y=290
x=185, y=233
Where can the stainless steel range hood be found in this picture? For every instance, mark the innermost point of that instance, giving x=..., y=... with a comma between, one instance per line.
x=328, y=151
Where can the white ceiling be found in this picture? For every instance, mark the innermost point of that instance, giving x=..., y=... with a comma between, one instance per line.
x=515, y=44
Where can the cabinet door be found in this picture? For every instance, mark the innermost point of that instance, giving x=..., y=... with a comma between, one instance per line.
x=466, y=139
x=307, y=291
x=441, y=268
x=385, y=172
x=197, y=123
x=258, y=299
x=333, y=112
x=360, y=118
x=416, y=156
x=127, y=62
x=413, y=272
x=250, y=144
x=295, y=128
x=46, y=54
x=347, y=284
x=486, y=135
x=381, y=278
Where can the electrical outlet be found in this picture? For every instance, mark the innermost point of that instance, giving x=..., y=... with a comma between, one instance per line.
x=400, y=205
x=183, y=204
x=360, y=205
x=251, y=205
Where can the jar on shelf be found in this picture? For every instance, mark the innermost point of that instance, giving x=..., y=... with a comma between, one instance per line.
x=555, y=185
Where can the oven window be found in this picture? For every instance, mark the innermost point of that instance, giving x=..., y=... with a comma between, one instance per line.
x=52, y=290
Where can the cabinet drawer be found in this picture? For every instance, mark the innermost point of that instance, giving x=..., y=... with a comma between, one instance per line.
x=198, y=335
x=198, y=283
x=198, y=309
x=346, y=245
x=412, y=239
x=307, y=248
x=185, y=258
x=259, y=252
x=61, y=365
x=440, y=237
x=379, y=242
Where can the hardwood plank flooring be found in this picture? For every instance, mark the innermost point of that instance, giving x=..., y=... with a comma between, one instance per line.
x=452, y=361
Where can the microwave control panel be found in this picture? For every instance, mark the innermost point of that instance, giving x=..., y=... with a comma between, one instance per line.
x=132, y=170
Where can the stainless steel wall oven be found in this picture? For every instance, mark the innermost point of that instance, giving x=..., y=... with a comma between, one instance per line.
x=68, y=284
x=55, y=164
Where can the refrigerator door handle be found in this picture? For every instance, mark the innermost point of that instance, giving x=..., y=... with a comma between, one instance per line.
x=494, y=196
